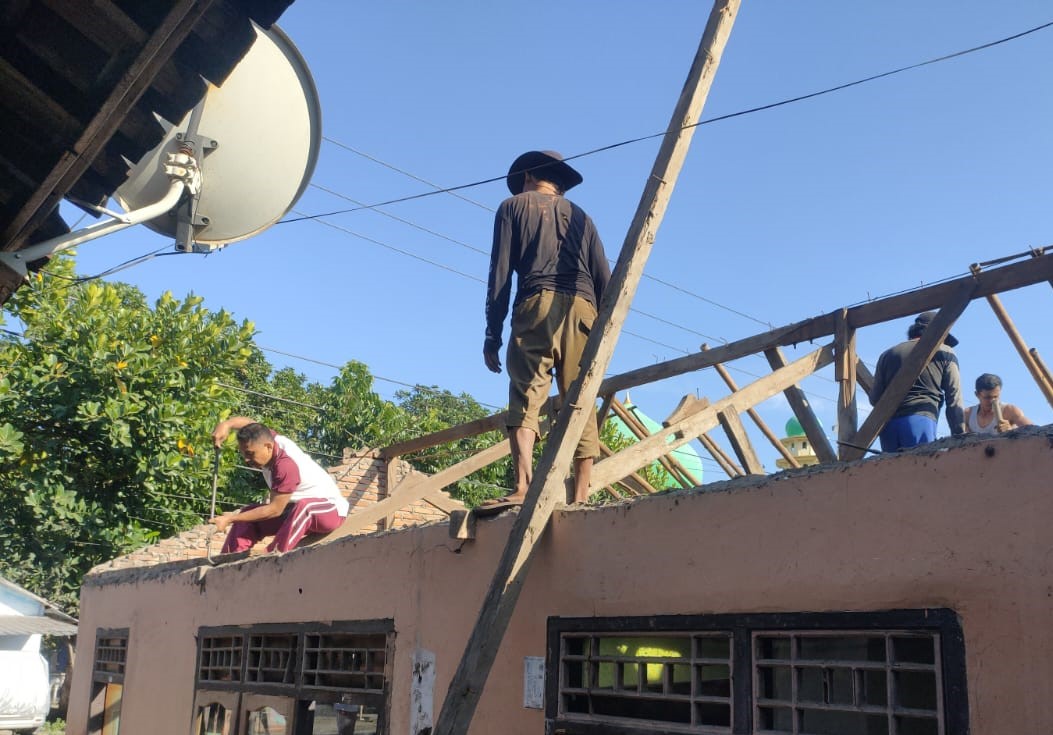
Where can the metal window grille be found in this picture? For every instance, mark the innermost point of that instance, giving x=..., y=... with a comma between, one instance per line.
x=841, y=683
x=111, y=654
x=682, y=679
x=272, y=658
x=345, y=661
x=220, y=658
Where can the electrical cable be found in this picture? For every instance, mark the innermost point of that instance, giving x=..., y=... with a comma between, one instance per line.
x=708, y=121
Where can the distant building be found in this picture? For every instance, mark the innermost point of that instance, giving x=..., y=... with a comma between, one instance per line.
x=796, y=443
x=26, y=691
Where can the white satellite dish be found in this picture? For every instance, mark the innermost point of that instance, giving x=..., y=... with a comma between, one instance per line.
x=230, y=169
x=256, y=139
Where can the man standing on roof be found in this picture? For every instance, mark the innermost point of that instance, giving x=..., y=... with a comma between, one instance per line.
x=303, y=498
x=561, y=271
x=914, y=422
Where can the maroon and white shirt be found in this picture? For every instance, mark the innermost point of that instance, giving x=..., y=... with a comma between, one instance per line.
x=292, y=471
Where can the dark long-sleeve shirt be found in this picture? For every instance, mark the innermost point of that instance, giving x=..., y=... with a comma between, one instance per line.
x=938, y=381
x=551, y=245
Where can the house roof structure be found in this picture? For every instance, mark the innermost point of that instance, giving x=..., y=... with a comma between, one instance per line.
x=52, y=622
x=82, y=86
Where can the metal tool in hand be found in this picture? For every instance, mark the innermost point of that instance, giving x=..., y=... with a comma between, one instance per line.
x=212, y=513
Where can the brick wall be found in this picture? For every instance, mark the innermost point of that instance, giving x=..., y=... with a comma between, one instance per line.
x=362, y=477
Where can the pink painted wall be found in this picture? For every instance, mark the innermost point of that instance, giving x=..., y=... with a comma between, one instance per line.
x=954, y=528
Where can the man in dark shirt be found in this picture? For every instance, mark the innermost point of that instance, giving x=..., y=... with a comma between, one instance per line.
x=561, y=271
x=915, y=420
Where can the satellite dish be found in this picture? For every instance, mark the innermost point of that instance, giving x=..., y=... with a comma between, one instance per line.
x=256, y=139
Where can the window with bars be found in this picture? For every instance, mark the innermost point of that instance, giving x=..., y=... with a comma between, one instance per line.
x=345, y=661
x=272, y=658
x=219, y=657
x=873, y=682
x=111, y=653
x=321, y=673
x=897, y=672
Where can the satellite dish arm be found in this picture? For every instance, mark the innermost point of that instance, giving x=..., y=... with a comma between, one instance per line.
x=185, y=176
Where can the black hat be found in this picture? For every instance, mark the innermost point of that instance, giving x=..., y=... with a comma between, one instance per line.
x=544, y=165
x=924, y=319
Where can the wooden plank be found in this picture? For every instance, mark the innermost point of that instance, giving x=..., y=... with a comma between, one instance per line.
x=802, y=409
x=752, y=412
x=729, y=467
x=740, y=443
x=414, y=488
x=845, y=360
x=687, y=406
x=163, y=42
x=454, y=433
x=919, y=357
x=864, y=378
x=440, y=500
x=1041, y=365
x=762, y=389
x=634, y=483
x=468, y=681
x=996, y=280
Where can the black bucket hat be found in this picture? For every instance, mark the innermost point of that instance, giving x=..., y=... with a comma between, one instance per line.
x=924, y=319
x=549, y=163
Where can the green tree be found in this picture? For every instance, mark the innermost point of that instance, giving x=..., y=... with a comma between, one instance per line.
x=426, y=410
x=107, y=406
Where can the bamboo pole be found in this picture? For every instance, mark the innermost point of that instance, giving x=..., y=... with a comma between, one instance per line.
x=468, y=681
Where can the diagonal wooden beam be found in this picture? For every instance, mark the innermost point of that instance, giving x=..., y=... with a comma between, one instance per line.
x=647, y=450
x=752, y=413
x=413, y=488
x=919, y=357
x=729, y=467
x=547, y=487
x=802, y=409
x=864, y=377
x=740, y=443
x=996, y=280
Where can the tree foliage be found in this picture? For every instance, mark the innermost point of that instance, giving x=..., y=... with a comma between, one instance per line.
x=107, y=404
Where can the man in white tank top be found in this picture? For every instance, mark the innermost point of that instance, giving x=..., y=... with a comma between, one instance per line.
x=990, y=416
x=304, y=498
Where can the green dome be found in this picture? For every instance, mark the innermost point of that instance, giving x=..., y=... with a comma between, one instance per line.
x=793, y=427
x=686, y=454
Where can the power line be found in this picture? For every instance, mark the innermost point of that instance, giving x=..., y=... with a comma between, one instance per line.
x=707, y=121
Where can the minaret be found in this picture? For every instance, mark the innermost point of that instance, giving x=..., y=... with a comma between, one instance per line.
x=796, y=443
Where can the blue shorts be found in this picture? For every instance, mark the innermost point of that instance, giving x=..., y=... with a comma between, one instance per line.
x=905, y=432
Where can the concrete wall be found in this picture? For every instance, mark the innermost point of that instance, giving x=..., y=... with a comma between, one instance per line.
x=965, y=527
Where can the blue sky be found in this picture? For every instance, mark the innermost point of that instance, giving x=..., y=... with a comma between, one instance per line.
x=777, y=216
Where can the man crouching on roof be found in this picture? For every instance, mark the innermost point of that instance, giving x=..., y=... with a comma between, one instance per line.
x=303, y=497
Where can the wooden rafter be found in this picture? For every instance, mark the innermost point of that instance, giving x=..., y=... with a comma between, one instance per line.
x=802, y=409
x=740, y=443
